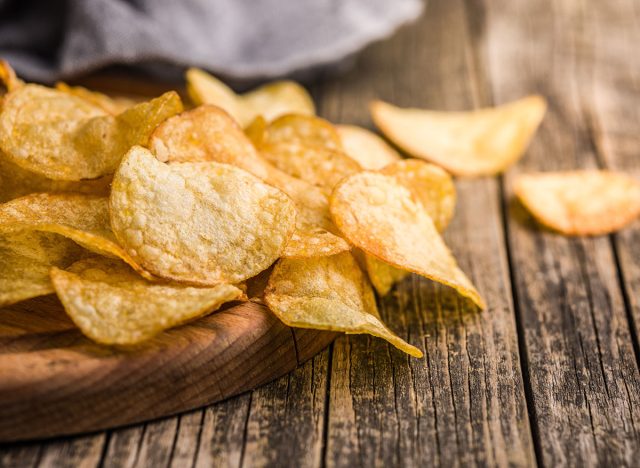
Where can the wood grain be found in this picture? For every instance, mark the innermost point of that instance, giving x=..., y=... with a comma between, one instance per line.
x=583, y=373
x=56, y=382
x=464, y=404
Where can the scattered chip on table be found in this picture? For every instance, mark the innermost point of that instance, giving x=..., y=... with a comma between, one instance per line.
x=328, y=293
x=111, y=304
x=582, y=202
x=474, y=143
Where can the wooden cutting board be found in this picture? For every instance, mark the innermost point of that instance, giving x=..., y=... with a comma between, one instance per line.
x=54, y=381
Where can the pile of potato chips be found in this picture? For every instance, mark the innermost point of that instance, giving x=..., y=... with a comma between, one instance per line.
x=143, y=215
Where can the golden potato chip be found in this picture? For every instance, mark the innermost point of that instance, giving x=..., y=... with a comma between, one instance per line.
x=113, y=305
x=378, y=215
x=256, y=130
x=204, y=88
x=481, y=142
x=275, y=99
x=25, y=260
x=304, y=130
x=269, y=101
x=112, y=105
x=204, y=223
x=328, y=293
x=365, y=147
x=207, y=133
x=81, y=218
x=583, y=202
x=319, y=166
x=16, y=182
x=429, y=185
x=62, y=136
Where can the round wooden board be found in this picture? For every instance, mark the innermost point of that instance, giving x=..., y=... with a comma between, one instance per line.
x=54, y=381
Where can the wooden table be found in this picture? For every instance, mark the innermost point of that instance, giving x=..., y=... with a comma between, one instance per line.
x=548, y=374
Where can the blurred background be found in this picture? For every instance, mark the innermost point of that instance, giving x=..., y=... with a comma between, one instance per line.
x=243, y=41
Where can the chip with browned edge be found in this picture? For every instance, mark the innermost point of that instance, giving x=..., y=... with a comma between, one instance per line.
x=481, y=142
x=270, y=101
x=328, y=293
x=378, y=215
x=111, y=304
x=204, y=223
x=583, y=202
x=25, y=260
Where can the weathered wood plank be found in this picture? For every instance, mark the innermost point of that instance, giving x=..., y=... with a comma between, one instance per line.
x=611, y=93
x=80, y=452
x=464, y=403
x=584, y=375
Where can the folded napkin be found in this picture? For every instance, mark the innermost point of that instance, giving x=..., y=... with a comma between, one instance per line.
x=238, y=39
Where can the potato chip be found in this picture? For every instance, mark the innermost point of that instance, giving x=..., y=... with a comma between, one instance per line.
x=270, y=101
x=111, y=105
x=207, y=133
x=81, y=218
x=378, y=215
x=319, y=166
x=16, y=182
x=302, y=130
x=481, y=142
x=328, y=293
x=64, y=137
x=256, y=130
x=429, y=185
x=25, y=260
x=204, y=223
x=111, y=304
x=365, y=147
x=584, y=202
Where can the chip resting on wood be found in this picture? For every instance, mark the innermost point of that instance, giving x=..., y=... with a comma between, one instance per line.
x=583, y=202
x=111, y=304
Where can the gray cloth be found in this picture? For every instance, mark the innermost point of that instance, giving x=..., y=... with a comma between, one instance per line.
x=239, y=39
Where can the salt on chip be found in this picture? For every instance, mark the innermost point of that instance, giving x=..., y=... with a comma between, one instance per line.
x=480, y=142
x=81, y=218
x=111, y=304
x=582, y=202
x=112, y=105
x=16, y=182
x=203, y=223
x=270, y=101
x=65, y=137
x=328, y=293
x=305, y=130
x=207, y=133
x=378, y=215
x=365, y=147
x=25, y=260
